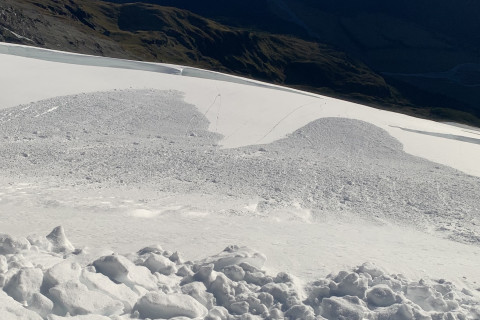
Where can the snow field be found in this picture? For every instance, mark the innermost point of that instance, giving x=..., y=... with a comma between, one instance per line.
x=316, y=183
x=153, y=140
x=245, y=112
x=47, y=278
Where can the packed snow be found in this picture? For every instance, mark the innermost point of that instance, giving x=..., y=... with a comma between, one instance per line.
x=196, y=161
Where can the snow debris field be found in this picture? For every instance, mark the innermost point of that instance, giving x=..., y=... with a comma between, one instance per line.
x=153, y=140
x=47, y=278
x=123, y=154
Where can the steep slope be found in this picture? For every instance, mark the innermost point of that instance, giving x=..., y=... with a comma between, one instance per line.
x=154, y=33
x=52, y=25
x=408, y=42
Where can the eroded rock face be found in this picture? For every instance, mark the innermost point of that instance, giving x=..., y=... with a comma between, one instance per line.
x=230, y=285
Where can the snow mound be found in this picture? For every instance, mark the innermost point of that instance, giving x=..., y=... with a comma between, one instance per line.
x=154, y=140
x=157, y=284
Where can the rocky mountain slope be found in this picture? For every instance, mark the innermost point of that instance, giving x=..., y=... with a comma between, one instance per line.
x=270, y=40
x=407, y=42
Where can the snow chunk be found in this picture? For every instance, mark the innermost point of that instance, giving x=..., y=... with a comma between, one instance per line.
x=205, y=274
x=161, y=264
x=342, y=308
x=3, y=264
x=317, y=291
x=239, y=307
x=60, y=273
x=40, y=304
x=234, y=255
x=217, y=313
x=300, y=312
x=426, y=297
x=120, y=269
x=24, y=284
x=371, y=269
x=258, y=278
x=13, y=310
x=155, y=248
x=198, y=291
x=159, y=305
x=101, y=283
x=280, y=291
x=353, y=284
x=40, y=242
x=76, y=299
x=11, y=245
x=59, y=241
x=222, y=289
x=381, y=296
x=235, y=273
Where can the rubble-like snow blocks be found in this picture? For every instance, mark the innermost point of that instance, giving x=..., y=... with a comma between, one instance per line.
x=371, y=269
x=11, y=245
x=24, y=284
x=198, y=291
x=223, y=291
x=342, y=308
x=76, y=299
x=61, y=273
x=41, y=242
x=101, y=283
x=227, y=286
x=122, y=270
x=161, y=264
x=205, y=274
x=353, y=284
x=381, y=296
x=40, y=304
x=159, y=305
x=13, y=310
x=300, y=312
x=426, y=297
x=235, y=273
x=281, y=292
x=217, y=313
x=234, y=255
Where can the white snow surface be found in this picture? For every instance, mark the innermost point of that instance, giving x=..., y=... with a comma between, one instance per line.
x=167, y=154
x=243, y=114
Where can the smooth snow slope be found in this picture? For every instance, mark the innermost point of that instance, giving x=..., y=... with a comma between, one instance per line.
x=330, y=195
x=243, y=114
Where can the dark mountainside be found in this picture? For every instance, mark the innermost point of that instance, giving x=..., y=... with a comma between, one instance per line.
x=407, y=57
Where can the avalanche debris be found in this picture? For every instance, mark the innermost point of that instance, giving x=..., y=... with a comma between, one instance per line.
x=148, y=285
